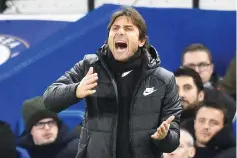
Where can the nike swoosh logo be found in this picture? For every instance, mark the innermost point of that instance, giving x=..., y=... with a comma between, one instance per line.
x=126, y=73
x=148, y=92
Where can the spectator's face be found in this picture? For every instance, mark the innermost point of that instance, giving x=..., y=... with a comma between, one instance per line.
x=207, y=123
x=45, y=131
x=185, y=149
x=188, y=92
x=200, y=62
x=123, y=38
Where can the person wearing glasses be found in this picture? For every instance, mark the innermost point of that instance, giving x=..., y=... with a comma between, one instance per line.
x=199, y=58
x=45, y=134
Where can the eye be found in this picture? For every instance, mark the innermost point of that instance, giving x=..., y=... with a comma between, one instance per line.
x=128, y=28
x=187, y=87
x=114, y=28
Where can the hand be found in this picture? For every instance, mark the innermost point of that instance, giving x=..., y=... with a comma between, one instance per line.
x=162, y=131
x=87, y=84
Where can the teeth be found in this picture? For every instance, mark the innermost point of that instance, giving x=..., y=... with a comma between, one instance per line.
x=120, y=42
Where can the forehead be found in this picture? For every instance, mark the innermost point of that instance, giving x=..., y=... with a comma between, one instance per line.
x=123, y=20
x=185, y=138
x=183, y=80
x=210, y=113
x=196, y=57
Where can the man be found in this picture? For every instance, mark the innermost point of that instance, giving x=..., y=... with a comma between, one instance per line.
x=228, y=84
x=214, y=136
x=132, y=104
x=186, y=147
x=45, y=135
x=190, y=89
x=199, y=58
x=7, y=141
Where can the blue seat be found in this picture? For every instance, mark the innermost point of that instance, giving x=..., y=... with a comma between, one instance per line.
x=20, y=127
x=70, y=117
x=22, y=152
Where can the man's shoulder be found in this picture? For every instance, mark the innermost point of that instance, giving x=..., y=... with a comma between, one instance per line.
x=91, y=58
x=163, y=74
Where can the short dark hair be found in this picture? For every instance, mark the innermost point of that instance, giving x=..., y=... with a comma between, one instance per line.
x=197, y=47
x=185, y=71
x=214, y=103
x=136, y=18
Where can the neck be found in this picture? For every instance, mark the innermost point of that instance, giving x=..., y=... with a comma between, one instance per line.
x=133, y=62
x=198, y=144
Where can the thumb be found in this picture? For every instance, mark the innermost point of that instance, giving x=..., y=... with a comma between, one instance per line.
x=90, y=71
x=170, y=119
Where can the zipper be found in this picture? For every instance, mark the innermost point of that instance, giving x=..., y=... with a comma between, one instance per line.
x=115, y=120
x=131, y=106
x=130, y=113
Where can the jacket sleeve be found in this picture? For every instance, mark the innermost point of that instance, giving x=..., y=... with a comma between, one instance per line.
x=62, y=93
x=171, y=106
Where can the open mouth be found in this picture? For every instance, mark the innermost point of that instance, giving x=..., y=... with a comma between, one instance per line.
x=121, y=45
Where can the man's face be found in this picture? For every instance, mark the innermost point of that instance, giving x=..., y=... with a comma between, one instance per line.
x=188, y=92
x=185, y=149
x=200, y=62
x=207, y=123
x=123, y=38
x=45, y=131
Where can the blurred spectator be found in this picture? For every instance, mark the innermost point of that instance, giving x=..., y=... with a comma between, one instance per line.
x=45, y=136
x=7, y=141
x=222, y=98
x=186, y=147
x=199, y=58
x=214, y=136
x=190, y=89
x=228, y=84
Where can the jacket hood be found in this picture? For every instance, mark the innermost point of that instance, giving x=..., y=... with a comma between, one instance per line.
x=224, y=139
x=150, y=53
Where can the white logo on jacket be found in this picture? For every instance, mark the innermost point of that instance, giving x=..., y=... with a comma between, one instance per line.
x=149, y=91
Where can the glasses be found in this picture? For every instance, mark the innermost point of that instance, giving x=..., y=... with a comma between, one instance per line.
x=41, y=125
x=200, y=66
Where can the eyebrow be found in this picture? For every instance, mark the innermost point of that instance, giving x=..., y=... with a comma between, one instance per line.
x=187, y=84
x=46, y=121
x=124, y=26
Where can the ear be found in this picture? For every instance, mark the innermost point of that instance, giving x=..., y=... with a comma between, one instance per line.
x=201, y=96
x=31, y=131
x=212, y=68
x=141, y=42
x=191, y=152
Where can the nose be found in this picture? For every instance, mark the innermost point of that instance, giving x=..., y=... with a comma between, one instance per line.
x=196, y=69
x=206, y=125
x=120, y=31
x=181, y=93
x=46, y=127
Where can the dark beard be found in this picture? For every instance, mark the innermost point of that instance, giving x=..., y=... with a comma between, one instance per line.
x=189, y=112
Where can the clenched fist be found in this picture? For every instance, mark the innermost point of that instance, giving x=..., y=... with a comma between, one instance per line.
x=87, y=84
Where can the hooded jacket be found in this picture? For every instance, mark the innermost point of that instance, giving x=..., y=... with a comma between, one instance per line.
x=154, y=100
x=65, y=145
x=222, y=145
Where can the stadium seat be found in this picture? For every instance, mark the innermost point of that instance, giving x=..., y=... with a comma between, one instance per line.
x=70, y=117
x=22, y=152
